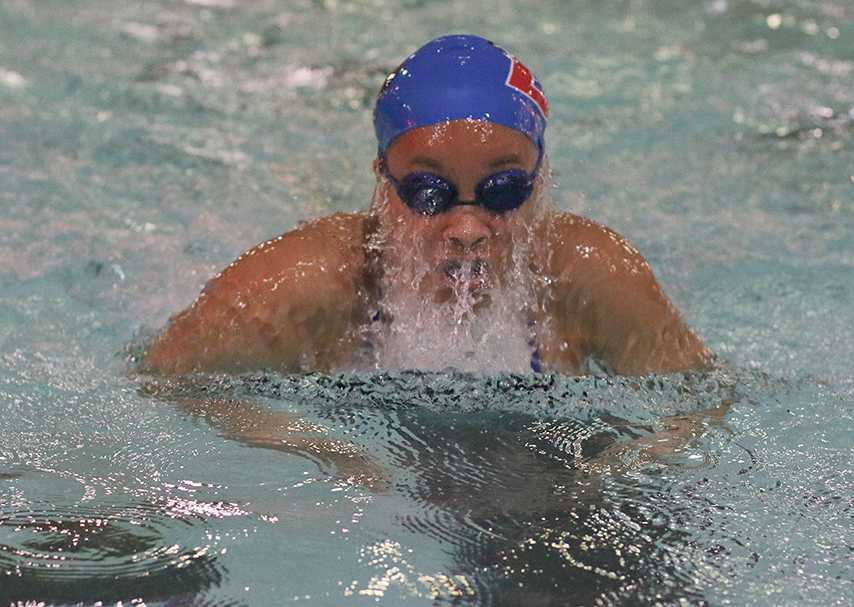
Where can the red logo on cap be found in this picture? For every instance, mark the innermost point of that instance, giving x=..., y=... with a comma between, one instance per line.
x=521, y=79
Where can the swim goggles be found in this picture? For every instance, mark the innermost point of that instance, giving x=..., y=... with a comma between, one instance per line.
x=429, y=194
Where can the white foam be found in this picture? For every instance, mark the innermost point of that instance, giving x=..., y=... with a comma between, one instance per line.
x=141, y=31
x=213, y=3
x=12, y=79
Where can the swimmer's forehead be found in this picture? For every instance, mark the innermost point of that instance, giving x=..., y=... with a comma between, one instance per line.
x=437, y=146
x=460, y=148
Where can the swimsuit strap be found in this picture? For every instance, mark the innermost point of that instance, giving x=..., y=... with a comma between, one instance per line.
x=536, y=362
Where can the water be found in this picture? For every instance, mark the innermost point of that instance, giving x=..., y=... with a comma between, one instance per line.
x=144, y=146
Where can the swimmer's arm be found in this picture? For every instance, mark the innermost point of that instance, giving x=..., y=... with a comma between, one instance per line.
x=675, y=434
x=285, y=305
x=613, y=300
x=256, y=426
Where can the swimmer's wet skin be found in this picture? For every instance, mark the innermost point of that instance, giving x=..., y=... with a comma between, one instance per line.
x=461, y=191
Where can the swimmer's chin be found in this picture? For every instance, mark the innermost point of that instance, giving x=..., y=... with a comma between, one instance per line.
x=475, y=291
x=476, y=302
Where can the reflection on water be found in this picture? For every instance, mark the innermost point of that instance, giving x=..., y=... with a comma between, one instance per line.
x=527, y=522
x=527, y=529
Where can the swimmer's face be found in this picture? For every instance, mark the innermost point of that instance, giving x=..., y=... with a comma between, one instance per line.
x=431, y=253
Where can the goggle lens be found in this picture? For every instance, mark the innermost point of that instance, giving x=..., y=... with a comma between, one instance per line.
x=504, y=191
x=430, y=194
x=426, y=193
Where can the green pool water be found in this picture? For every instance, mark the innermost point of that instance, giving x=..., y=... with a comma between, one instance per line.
x=143, y=146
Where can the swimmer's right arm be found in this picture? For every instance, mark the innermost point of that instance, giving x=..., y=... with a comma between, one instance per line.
x=257, y=426
x=287, y=304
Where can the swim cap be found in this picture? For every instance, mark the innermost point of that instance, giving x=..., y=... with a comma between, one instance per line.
x=459, y=77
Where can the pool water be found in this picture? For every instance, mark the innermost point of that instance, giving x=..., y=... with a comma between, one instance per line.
x=143, y=146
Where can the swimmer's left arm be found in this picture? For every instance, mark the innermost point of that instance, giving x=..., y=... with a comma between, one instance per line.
x=613, y=300
x=675, y=433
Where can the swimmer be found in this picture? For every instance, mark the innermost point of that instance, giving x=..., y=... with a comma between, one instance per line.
x=461, y=225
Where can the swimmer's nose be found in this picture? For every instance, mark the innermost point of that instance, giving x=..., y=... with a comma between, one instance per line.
x=465, y=231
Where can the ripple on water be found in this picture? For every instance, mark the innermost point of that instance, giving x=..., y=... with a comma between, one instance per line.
x=524, y=519
x=89, y=553
x=543, y=396
x=501, y=473
x=496, y=471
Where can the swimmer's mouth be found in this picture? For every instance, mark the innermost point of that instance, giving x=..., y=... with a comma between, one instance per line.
x=475, y=272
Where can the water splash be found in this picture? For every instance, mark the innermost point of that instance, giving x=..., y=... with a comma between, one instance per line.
x=469, y=310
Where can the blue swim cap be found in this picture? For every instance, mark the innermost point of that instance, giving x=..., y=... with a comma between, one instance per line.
x=458, y=77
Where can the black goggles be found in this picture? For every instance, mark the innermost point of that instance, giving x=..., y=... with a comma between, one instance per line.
x=429, y=194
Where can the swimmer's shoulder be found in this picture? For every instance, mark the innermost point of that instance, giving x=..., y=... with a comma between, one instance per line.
x=607, y=296
x=294, y=296
x=579, y=248
x=327, y=248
